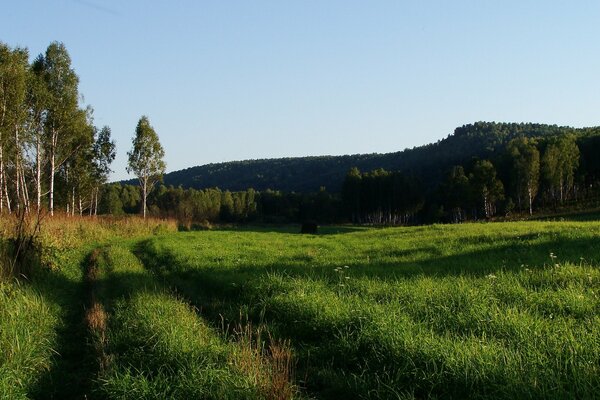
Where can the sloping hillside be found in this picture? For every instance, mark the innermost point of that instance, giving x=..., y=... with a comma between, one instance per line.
x=306, y=174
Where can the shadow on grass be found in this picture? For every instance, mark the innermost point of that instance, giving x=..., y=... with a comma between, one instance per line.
x=579, y=216
x=292, y=228
x=75, y=365
x=224, y=294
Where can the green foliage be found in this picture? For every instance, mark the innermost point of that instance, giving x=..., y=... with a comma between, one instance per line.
x=559, y=163
x=487, y=187
x=525, y=159
x=47, y=140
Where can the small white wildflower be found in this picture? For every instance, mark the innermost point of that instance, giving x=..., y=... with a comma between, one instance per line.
x=491, y=276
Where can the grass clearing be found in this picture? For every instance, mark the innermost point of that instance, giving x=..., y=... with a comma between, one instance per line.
x=502, y=310
x=474, y=310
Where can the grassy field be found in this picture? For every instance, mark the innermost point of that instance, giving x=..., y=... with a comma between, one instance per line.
x=501, y=310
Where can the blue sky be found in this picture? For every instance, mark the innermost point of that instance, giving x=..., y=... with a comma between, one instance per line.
x=230, y=80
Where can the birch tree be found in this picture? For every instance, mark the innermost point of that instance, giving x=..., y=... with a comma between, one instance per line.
x=62, y=85
x=13, y=84
x=526, y=169
x=146, y=158
x=559, y=163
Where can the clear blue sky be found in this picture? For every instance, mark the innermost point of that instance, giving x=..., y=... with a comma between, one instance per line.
x=228, y=80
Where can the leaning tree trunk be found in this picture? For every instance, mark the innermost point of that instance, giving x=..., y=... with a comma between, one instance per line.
x=8, y=207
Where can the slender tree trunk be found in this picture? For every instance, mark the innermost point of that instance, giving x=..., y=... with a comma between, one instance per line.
x=51, y=189
x=91, y=202
x=8, y=206
x=530, y=193
x=80, y=207
x=561, y=190
x=24, y=191
x=38, y=174
x=3, y=190
x=53, y=146
x=96, y=202
x=73, y=202
x=17, y=172
x=145, y=194
x=2, y=178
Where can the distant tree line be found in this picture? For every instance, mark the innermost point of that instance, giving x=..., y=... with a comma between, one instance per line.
x=381, y=197
x=215, y=205
x=525, y=174
x=51, y=154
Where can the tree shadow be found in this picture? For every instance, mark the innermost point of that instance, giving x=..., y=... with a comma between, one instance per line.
x=223, y=295
x=292, y=228
x=74, y=366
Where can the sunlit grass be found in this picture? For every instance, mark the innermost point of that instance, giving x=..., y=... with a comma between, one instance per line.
x=503, y=310
x=27, y=333
x=477, y=310
x=159, y=347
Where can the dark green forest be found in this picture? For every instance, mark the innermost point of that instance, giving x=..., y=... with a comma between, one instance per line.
x=483, y=170
x=485, y=140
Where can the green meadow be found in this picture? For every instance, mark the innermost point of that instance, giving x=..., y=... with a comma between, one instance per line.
x=492, y=310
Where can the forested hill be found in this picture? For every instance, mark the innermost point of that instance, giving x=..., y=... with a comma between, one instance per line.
x=308, y=174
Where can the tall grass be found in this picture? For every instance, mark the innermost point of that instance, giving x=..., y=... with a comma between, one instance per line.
x=159, y=347
x=27, y=334
x=41, y=321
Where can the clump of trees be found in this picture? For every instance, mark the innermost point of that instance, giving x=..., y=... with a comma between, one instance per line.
x=529, y=167
x=381, y=197
x=215, y=205
x=50, y=150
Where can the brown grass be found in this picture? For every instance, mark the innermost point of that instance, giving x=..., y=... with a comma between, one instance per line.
x=63, y=232
x=269, y=362
x=96, y=317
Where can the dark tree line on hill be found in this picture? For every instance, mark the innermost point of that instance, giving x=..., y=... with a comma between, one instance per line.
x=524, y=174
x=51, y=154
x=529, y=174
x=484, y=140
